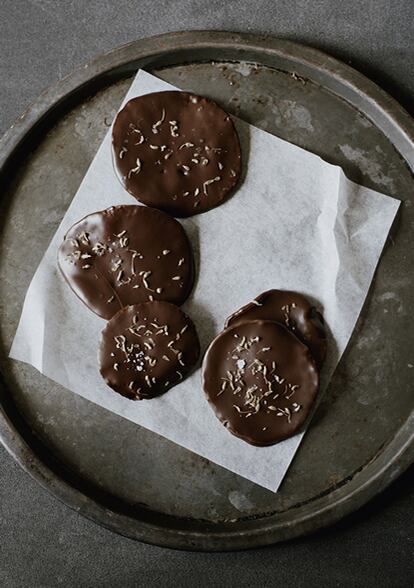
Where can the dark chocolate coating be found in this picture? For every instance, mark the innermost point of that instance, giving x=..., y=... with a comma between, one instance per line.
x=260, y=380
x=147, y=348
x=125, y=255
x=292, y=310
x=176, y=151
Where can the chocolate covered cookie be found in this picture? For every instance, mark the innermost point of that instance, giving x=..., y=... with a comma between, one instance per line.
x=294, y=311
x=125, y=255
x=147, y=348
x=260, y=380
x=176, y=151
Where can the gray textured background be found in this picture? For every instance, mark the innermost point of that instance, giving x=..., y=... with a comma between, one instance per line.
x=43, y=543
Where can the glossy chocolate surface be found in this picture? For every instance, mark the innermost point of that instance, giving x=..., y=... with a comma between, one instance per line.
x=125, y=255
x=176, y=151
x=147, y=348
x=294, y=311
x=260, y=380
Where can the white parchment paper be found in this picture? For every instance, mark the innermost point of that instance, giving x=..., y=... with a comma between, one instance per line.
x=296, y=223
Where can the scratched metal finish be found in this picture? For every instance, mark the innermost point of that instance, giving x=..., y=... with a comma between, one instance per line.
x=371, y=393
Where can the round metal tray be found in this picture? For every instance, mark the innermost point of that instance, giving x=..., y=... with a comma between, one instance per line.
x=125, y=477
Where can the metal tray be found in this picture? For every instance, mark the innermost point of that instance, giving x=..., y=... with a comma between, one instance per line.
x=129, y=479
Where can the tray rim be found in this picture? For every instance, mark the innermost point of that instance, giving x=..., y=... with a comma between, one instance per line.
x=398, y=126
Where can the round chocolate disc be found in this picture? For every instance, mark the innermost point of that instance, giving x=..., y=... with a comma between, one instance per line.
x=260, y=380
x=292, y=310
x=125, y=255
x=176, y=151
x=147, y=348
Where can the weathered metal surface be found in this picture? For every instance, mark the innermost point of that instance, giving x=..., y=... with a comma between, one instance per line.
x=127, y=478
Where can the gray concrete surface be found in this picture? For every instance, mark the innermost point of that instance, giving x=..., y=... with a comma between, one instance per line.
x=43, y=543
